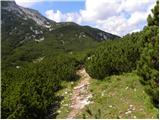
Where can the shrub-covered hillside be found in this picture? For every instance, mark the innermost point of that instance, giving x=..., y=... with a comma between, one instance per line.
x=27, y=35
x=115, y=57
x=138, y=51
x=29, y=92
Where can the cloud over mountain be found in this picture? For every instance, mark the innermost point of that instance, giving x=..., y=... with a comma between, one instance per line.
x=115, y=16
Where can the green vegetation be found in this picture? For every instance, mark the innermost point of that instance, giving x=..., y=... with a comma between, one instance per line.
x=19, y=35
x=154, y=19
x=138, y=51
x=38, y=77
x=29, y=92
x=148, y=66
x=119, y=96
x=114, y=57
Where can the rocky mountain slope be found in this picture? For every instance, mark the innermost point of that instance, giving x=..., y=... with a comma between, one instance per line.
x=25, y=32
x=26, y=13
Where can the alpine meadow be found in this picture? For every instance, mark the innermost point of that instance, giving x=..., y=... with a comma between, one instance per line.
x=63, y=69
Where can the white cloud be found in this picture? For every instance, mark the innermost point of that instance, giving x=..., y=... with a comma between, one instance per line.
x=134, y=5
x=137, y=17
x=58, y=16
x=114, y=16
x=114, y=24
x=135, y=30
x=120, y=25
x=102, y=9
x=117, y=16
x=27, y=3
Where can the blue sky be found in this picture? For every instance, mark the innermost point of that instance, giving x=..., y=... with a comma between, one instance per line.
x=115, y=16
x=64, y=6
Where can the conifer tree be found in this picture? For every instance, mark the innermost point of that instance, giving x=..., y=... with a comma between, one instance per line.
x=148, y=66
x=153, y=19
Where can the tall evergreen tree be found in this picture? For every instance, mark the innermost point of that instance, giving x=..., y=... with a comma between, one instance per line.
x=153, y=19
x=148, y=66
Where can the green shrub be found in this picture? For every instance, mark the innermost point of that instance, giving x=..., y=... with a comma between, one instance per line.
x=148, y=65
x=29, y=92
x=114, y=57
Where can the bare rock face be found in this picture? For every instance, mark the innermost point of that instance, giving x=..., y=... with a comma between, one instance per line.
x=9, y=6
x=35, y=16
x=29, y=23
x=26, y=13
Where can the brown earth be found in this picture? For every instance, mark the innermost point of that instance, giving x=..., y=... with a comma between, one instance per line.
x=81, y=95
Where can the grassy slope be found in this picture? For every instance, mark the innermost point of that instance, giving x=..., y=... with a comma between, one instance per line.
x=113, y=97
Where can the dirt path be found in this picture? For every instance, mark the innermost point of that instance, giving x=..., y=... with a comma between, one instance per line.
x=81, y=95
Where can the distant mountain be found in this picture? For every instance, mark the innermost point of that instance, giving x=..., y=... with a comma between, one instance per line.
x=22, y=24
x=26, y=34
x=25, y=13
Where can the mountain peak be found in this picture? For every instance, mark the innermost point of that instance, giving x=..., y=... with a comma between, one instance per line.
x=26, y=13
x=9, y=5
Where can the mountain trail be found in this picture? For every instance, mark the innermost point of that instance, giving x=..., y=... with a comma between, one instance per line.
x=81, y=95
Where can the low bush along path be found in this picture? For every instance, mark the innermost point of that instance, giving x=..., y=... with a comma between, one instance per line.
x=81, y=95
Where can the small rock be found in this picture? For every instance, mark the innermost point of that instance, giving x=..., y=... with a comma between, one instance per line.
x=129, y=112
x=91, y=102
x=120, y=116
x=89, y=96
x=110, y=106
x=126, y=88
x=126, y=113
x=89, y=58
x=102, y=94
x=130, y=105
x=65, y=105
x=133, y=108
x=59, y=111
x=17, y=67
x=134, y=117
